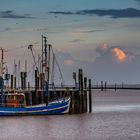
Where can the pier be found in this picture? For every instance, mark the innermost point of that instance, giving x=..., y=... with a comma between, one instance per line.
x=43, y=90
x=80, y=94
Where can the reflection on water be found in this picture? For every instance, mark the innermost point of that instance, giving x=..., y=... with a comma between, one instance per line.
x=118, y=108
x=114, y=117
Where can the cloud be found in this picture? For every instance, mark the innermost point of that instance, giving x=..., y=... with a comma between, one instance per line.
x=102, y=49
x=12, y=15
x=122, y=56
x=113, y=13
x=64, y=56
x=61, y=12
x=130, y=57
x=105, y=67
x=119, y=54
x=114, y=53
x=137, y=1
x=77, y=40
x=90, y=31
x=68, y=62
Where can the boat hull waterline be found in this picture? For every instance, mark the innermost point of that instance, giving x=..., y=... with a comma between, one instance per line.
x=54, y=108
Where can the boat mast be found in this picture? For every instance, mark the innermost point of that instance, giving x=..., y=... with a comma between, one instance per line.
x=46, y=60
x=2, y=62
x=19, y=74
x=45, y=66
x=49, y=51
x=1, y=78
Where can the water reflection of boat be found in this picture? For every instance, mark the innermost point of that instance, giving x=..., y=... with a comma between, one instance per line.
x=15, y=103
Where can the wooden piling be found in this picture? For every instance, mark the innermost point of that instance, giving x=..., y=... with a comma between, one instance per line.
x=122, y=85
x=97, y=85
x=12, y=81
x=85, y=94
x=101, y=85
x=74, y=107
x=36, y=85
x=79, y=99
x=15, y=82
x=90, y=97
x=23, y=76
x=36, y=75
x=105, y=85
x=81, y=106
x=74, y=77
x=80, y=81
x=29, y=86
x=25, y=82
x=115, y=86
x=30, y=97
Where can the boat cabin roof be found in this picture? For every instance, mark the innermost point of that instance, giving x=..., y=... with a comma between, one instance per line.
x=15, y=94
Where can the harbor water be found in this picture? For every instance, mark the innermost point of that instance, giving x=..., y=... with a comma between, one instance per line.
x=115, y=116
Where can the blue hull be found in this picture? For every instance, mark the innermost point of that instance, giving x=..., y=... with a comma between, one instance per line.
x=54, y=108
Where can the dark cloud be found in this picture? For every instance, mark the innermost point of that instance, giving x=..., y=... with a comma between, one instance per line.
x=114, y=13
x=61, y=12
x=137, y=1
x=77, y=40
x=11, y=14
x=91, y=31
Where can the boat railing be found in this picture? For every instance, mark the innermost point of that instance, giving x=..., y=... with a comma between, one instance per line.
x=13, y=105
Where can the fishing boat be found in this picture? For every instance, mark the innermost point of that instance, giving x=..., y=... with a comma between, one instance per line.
x=13, y=103
x=57, y=107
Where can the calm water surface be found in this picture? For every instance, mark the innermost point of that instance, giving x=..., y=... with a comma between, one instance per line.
x=115, y=116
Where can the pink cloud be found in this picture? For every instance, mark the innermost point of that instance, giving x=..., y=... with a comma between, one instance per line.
x=122, y=56
x=119, y=54
x=68, y=62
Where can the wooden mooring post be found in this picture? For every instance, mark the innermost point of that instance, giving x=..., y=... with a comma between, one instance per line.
x=74, y=77
x=102, y=86
x=85, y=94
x=115, y=86
x=79, y=96
x=36, y=85
x=90, y=97
x=105, y=85
x=12, y=81
x=15, y=82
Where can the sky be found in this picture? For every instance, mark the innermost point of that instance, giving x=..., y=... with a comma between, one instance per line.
x=100, y=36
